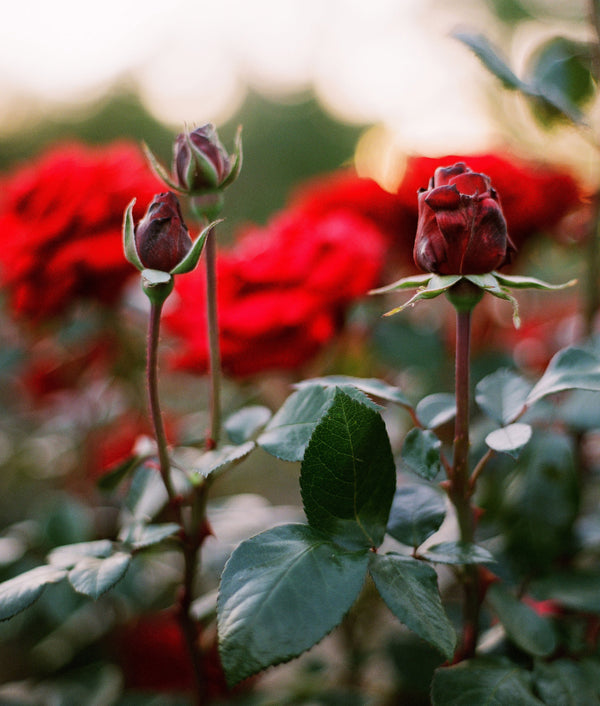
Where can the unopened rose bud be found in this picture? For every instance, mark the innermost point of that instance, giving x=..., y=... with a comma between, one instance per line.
x=162, y=239
x=200, y=162
x=461, y=228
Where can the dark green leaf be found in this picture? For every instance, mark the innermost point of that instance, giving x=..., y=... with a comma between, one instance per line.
x=502, y=395
x=244, y=424
x=510, y=439
x=575, y=589
x=117, y=475
x=348, y=475
x=531, y=632
x=458, y=553
x=93, y=577
x=569, y=369
x=288, y=433
x=421, y=453
x=437, y=409
x=370, y=386
x=20, y=592
x=67, y=556
x=221, y=458
x=566, y=683
x=417, y=512
x=481, y=682
x=410, y=590
x=490, y=58
x=281, y=592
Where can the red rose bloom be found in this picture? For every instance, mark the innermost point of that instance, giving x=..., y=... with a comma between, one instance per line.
x=461, y=229
x=282, y=292
x=61, y=218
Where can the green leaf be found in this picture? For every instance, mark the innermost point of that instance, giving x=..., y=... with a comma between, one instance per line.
x=510, y=439
x=435, y=410
x=421, y=453
x=67, y=556
x=281, y=592
x=20, y=592
x=565, y=682
x=480, y=682
x=139, y=535
x=417, y=512
x=93, y=576
x=348, y=475
x=410, y=590
x=221, y=458
x=370, y=386
x=502, y=395
x=491, y=59
x=129, y=248
x=437, y=284
x=147, y=495
x=244, y=424
x=114, y=477
x=190, y=261
x=569, y=369
x=288, y=433
x=575, y=589
x=457, y=553
x=531, y=632
x=405, y=283
x=520, y=282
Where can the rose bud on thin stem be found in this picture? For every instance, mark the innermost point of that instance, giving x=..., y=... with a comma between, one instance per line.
x=162, y=239
x=461, y=228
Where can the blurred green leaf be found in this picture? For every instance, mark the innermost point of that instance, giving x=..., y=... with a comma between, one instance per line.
x=221, y=458
x=575, y=589
x=20, y=592
x=483, y=683
x=421, y=453
x=244, y=424
x=437, y=409
x=502, y=395
x=569, y=369
x=94, y=576
x=67, y=556
x=410, y=590
x=567, y=683
x=348, y=474
x=281, y=592
x=531, y=632
x=457, y=553
x=490, y=58
x=139, y=535
x=510, y=439
x=417, y=512
x=370, y=386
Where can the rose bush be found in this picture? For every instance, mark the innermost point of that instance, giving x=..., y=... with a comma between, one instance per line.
x=60, y=219
x=282, y=292
x=461, y=228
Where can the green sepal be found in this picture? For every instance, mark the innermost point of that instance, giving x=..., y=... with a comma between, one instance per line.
x=489, y=283
x=157, y=285
x=518, y=282
x=237, y=160
x=129, y=248
x=404, y=283
x=160, y=171
x=436, y=285
x=190, y=261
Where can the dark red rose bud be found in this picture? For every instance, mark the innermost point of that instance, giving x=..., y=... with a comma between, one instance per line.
x=201, y=163
x=461, y=228
x=162, y=239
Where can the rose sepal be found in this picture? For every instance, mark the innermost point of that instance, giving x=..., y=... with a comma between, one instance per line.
x=237, y=159
x=190, y=261
x=160, y=170
x=129, y=246
x=404, y=283
x=520, y=282
x=157, y=285
x=436, y=285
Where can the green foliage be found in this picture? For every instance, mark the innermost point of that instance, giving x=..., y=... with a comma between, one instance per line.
x=568, y=683
x=421, y=453
x=20, y=592
x=510, y=439
x=244, y=424
x=417, y=512
x=348, y=474
x=459, y=553
x=502, y=395
x=435, y=410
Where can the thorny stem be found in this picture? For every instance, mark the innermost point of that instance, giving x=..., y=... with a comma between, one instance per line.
x=191, y=541
x=213, y=340
x=459, y=486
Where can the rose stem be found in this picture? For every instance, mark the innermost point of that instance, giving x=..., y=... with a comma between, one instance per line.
x=459, y=491
x=213, y=340
x=190, y=545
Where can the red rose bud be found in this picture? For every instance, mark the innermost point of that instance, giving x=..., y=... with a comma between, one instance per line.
x=201, y=163
x=461, y=228
x=162, y=239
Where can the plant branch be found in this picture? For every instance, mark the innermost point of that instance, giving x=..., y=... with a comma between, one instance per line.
x=213, y=341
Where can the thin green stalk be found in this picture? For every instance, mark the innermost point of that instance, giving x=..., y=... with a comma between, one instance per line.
x=459, y=486
x=152, y=379
x=213, y=340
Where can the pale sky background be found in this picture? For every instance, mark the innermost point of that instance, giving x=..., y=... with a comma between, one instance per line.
x=390, y=62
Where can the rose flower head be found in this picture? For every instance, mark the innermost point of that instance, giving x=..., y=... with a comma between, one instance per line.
x=162, y=239
x=461, y=228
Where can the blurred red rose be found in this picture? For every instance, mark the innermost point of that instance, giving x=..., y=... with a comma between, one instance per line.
x=535, y=197
x=282, y=292
x=60, y=219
